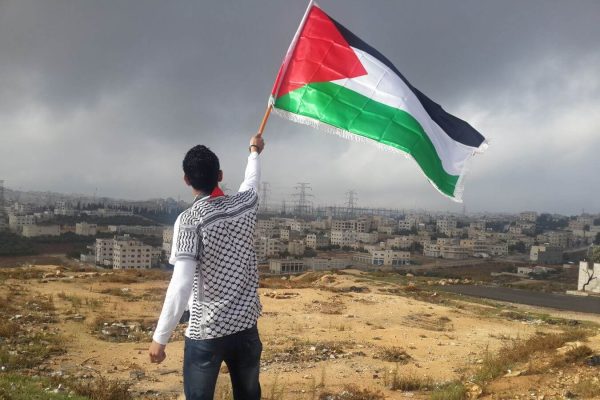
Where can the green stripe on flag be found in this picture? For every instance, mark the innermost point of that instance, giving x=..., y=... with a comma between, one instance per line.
x=350, y=111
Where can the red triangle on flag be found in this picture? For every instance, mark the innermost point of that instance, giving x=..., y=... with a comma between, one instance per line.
x=321, y=54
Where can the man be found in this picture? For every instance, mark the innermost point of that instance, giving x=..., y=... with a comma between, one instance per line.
x=214, y=262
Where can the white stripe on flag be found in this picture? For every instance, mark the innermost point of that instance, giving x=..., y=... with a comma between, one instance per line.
x=384, y=86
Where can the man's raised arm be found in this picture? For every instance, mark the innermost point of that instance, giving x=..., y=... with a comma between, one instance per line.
x=252, y=174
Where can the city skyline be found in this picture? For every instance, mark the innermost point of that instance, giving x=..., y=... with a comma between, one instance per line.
x=96, y=98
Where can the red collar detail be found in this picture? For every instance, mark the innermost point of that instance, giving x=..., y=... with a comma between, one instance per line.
x=217, y=192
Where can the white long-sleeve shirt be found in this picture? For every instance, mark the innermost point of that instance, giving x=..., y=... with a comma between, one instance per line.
x=215, y=272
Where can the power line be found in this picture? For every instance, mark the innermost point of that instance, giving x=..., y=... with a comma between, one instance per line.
x=3, y=221
x=303, y=204
x=351, y=199
x=264, y=198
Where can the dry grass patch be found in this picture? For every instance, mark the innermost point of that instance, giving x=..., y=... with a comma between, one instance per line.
x=100, y=388
x=352, y=392
x=429, y=322
x=587, y=388
x=408, y=382
x=301, y=351
x=333, y=306
x=393, y=354
x=511, y=353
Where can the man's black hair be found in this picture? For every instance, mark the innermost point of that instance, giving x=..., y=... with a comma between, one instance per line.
x=201, y=166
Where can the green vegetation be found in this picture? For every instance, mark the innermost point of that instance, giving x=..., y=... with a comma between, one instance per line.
x=19, y=387
x=450, y=391
x=548, y=222
x=15, y=245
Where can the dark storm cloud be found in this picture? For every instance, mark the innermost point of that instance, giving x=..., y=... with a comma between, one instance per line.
x=110, y=94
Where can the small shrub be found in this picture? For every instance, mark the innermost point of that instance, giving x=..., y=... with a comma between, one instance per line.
x=101, y=388
x=9, y=329
x=352, y=392
x=407, y=382
x=587, y=388
x=520, y=350
x=393, y=354
x=450, y=391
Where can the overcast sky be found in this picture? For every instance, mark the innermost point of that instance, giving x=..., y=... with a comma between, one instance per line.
x=111, y=94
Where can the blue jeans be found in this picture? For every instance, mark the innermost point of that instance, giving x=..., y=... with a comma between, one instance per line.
x=202, y=361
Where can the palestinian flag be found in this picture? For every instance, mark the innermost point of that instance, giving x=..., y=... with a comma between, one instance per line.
x=331, y=79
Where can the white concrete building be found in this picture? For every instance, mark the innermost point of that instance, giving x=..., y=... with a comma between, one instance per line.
x=40, y=230
x=16, y=222
x=63, y=208
x=132, y=254
x=167, y=243
x=446, y=226
x=124, y=252
x=85, y=229
x=343, y=238
x=530, y=216
x=401, y=242
x=369, y=238
x=316, y=241
x=268, y=247
x=406, y=225
x=299, y=226
x=286, y=266
x=104, y=252
x=383, y=258
x=589, y=277
x=431, y=249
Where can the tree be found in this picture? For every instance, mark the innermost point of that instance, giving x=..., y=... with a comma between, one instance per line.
x=597, y=240
x=595, y=254
x=518, y=247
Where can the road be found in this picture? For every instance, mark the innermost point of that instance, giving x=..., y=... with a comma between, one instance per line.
x=590, y=304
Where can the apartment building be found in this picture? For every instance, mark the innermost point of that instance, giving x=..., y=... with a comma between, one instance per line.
x=530, y=216
x=446, y=226
x=316, y=241
x=343, y=238
x=367, y=237
x=167, y=243
x=268, y=247
x=16, y=222
x=401, y=242
x=124, y=252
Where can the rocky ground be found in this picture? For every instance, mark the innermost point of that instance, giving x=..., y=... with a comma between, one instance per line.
x=350, y=335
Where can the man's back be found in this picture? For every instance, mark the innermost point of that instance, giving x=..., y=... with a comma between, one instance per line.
x=218, y=233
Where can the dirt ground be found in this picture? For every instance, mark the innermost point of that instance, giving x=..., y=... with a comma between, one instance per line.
x=339, y=329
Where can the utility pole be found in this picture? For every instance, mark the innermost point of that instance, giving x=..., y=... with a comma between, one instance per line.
x=264, y=198
x=3, y=222
x=303, y=205
x=351, y=198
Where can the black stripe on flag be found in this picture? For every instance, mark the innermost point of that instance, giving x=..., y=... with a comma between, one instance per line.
x=454, y=127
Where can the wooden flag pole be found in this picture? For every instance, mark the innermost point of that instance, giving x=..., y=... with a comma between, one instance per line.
x=261, y=128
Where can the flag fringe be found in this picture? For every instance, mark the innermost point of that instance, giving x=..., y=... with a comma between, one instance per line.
x=324, y=127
